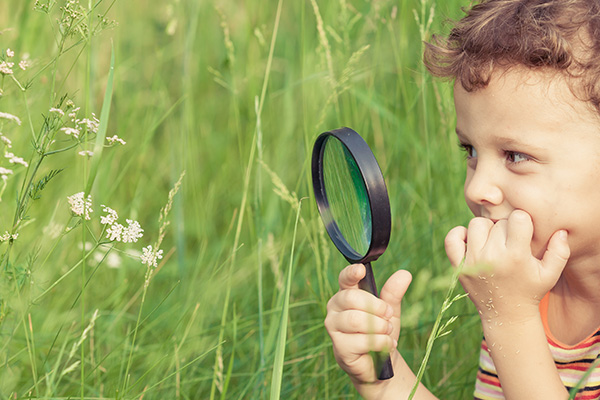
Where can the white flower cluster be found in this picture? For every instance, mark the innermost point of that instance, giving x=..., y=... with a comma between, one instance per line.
x=10, y=117
x=92, y=124
x=77, y=125
x=6, y=66
x=80, y=206
x=117, y=232
x=6, y=141
x=71, y=131
x=5, y=172
x=15, y=160
x=12, y=159
x=150, y=256
x=57, y=111
x=115, y=139
x=8, y=236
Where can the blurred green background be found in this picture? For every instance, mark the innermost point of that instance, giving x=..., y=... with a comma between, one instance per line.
x=234, y=93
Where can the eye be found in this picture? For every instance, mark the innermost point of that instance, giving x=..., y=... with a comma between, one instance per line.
x=514, y=157
x=469, y=150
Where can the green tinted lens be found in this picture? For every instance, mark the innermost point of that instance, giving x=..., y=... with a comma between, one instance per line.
x=347, y=195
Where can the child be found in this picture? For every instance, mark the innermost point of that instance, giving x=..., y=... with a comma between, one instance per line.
x=527, y=97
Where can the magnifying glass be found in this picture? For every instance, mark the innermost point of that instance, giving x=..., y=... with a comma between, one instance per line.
x=354, y=205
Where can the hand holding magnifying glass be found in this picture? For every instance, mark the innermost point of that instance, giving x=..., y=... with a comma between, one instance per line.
x=354, y=206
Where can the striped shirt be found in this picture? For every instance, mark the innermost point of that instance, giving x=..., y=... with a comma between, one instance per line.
x=572, y=362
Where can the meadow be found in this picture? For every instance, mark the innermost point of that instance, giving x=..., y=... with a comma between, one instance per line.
x=218, y=104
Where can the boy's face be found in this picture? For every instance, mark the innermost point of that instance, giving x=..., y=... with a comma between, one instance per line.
x=531, y=145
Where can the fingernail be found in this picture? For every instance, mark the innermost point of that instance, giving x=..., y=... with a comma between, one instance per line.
x=563, y=235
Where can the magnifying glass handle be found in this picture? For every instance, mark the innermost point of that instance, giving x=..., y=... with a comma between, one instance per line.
x=382, y=361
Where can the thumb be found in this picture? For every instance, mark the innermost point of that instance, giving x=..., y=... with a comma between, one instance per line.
x=394, y=289
x=351, y=276
x=456, y=245
x=556, y=255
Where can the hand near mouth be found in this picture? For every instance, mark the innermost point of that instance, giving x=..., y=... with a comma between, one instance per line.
x=500, y=274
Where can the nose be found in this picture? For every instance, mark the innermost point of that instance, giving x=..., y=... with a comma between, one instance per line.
x=482, y=185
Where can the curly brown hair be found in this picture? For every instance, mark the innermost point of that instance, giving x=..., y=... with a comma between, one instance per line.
x=558, y=35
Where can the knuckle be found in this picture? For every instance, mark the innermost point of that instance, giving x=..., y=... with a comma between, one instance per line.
x=350, y=298
x=330, y=304
x=381, y=307
x=354, y=320
x=480, y=222
x=450, y=238
x=328, y=323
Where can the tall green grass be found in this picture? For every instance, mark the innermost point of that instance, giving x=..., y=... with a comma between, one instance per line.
x=234, y=94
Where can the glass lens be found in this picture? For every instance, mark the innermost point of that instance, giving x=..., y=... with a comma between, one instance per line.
x=347, y=195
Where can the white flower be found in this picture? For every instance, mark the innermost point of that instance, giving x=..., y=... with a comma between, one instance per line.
x=115, y=138
x=133, y=232
x=8, y=236
x=71, y=131
x=15, y=160
x=6, y=67
x=109, y=219
x=114, y=232
x=10, y=117
x=4, y=172
x=86, y=153
x=7, y=142
x=23, y=64
x=57, y=111
x=10, y=53
x=79, y=206
x=73, y=113
x=92, y=124
x=150, y=257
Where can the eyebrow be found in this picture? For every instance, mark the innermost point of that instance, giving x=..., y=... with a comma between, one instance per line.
x=503, y=141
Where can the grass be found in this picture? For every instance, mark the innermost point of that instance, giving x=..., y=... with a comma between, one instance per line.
x=234, y=94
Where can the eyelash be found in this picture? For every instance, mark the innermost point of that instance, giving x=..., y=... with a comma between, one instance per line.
x=467, y=149
x=508, y=154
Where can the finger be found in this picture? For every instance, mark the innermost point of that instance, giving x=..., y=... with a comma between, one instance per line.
x=394, y=289
x=498, y=233
x=519, y=232
x=348, y=346
x=556, y=255
x=351, y=275
x=478, y=233
x=354, y=321
x=456, y=245
x=360, y=300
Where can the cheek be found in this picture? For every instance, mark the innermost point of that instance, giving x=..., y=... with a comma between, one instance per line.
x=542, y=209
x=547, y=219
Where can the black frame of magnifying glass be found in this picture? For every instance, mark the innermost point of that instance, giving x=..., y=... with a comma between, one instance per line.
x=381, y=220
x=375, y=188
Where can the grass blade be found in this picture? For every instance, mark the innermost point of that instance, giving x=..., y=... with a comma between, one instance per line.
x=101, y=135
x=282, y=335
